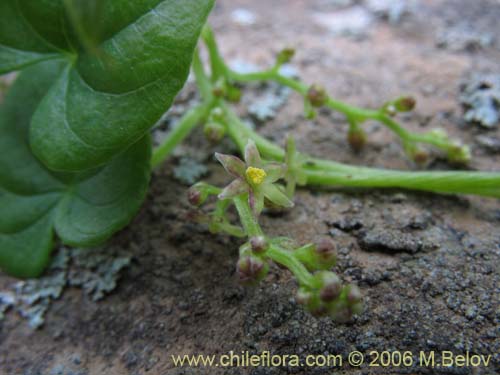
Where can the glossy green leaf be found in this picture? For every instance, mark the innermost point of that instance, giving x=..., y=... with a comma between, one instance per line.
x=126, y=61
x=83, y=208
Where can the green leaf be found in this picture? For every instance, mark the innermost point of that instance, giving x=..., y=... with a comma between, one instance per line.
x=126, y=61
x=83, y=208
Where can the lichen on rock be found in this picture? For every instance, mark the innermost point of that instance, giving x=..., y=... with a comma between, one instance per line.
x=96, y=271
x=481, y=97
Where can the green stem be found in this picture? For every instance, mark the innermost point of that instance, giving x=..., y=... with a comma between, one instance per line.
x=241, y=133
x=287, y=259
x=478, y=183
x=202, y=80
x=216, y=62
x=179, y=133
x=247, y=218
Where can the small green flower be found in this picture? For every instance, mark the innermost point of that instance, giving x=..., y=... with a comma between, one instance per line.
x=255, y=178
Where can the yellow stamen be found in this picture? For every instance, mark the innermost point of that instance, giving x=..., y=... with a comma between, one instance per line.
x=256, y=175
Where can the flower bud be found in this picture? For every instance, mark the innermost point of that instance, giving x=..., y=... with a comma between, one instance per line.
x=217, y=115
x=199, y=192
x=353, y=295
x=356, y=138
x=332, y=287
x=417, y=154
x=196, y=195
x=459, y=153
x=233, y=94
x=251, y=270
x=285, y=56
x=259, y=244
x=404, y=104
x=420, y=157
x=317, y=96
x=214, y=132
x=439, y=133
x=319, y=311
x=326, y=252
x=220, y=89
x=303, y=297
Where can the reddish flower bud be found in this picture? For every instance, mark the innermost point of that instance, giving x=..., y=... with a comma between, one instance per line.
x=420, y=157
x=259, y=244
x=356, y=139
x=404, y=104
x=326, y=250
x=319, y=311
x=251, y=270
x=332, y=287
x=196, y=196
x=317, y=96
x=415, y=153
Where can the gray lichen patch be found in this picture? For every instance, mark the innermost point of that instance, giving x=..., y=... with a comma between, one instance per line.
x=189, y=171
x=462, y=38
x=481, y=97
x=266, y=105
x=96, y=271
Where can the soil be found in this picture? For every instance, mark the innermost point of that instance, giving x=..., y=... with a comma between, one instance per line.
x=428, y=265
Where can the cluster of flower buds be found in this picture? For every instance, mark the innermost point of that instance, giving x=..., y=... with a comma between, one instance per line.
x=401, y=104
x=252, y=266
x=331, y=298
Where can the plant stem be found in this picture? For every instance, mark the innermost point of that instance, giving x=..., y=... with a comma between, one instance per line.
x=287, y=259
x=247, y=218
x=179, y=133
x=478, y=183
x=216, y=62
x=202, y=80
